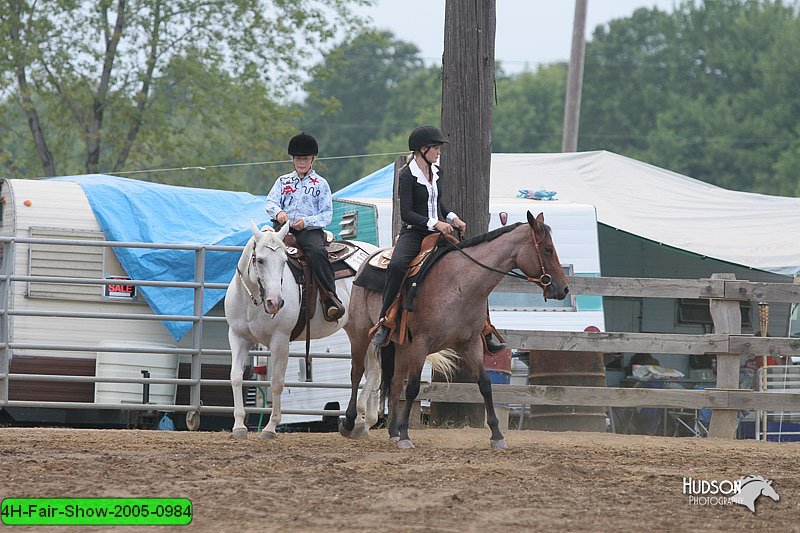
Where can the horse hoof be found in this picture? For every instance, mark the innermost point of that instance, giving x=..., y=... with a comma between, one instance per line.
x=360, y=430
x=499, y=444
x=269, y=435
x=240, y=433
x=394, y=440
x=405, y=444
x=344, y=431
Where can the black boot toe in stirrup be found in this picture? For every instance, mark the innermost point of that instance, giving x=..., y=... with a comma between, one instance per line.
x=380, y=337
x=494, y=346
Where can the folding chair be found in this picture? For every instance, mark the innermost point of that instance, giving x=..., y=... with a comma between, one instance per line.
x=688, y=421
x=622, y=419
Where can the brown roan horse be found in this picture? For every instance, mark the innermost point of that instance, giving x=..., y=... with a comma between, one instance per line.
x=450, y=309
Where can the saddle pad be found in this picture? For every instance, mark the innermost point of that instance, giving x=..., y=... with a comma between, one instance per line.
x=355, y=257
x=371, y=277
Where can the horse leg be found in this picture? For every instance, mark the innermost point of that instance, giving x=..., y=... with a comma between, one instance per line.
x=473, y=357
x=239, y=354
x=357, y=356
x=412, y=389
x=413, y=374
x=279, y=357
x=367, y=402
x=485, y=386
x=395, y=388
x=373, y=399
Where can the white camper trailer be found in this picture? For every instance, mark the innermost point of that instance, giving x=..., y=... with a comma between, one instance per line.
x=43, y=339
x=46, y=330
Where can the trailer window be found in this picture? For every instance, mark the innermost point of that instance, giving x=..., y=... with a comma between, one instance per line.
x=67, y=261
x=694, y=312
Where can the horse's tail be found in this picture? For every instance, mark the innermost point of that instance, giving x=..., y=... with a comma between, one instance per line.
x=387, y=369
x=444, y=362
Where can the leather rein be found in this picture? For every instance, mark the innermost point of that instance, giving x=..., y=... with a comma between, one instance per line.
x=544, y=281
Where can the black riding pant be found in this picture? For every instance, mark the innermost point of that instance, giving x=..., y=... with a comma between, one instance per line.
x=407, y=247
x=312, y=242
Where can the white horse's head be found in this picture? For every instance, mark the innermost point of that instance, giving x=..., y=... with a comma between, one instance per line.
x=268, y=260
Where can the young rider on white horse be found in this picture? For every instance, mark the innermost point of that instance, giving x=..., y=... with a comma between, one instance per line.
x=303, y=199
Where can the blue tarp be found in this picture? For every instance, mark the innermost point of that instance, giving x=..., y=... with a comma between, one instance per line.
x=140, y=211
x=379, y=184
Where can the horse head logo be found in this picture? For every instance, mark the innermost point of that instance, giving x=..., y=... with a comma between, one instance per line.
x=751, y=488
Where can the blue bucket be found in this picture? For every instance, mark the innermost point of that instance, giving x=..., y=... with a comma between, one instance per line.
x=498, y=377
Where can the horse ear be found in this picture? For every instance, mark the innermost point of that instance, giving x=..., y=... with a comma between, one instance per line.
x=534, y=221
x=539, y=218
x=255, y=230
x=283, y=231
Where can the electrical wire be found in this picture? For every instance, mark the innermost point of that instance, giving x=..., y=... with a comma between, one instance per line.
x=254, y=163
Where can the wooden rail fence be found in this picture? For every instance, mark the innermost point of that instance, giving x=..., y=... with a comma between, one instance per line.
x=724, y=293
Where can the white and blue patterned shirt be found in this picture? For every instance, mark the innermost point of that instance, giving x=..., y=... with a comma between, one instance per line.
x=308, y=198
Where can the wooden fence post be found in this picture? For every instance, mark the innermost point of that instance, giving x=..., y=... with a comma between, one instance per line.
x=727, y=318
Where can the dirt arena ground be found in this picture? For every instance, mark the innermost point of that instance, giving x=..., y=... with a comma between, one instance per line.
x=452, y=482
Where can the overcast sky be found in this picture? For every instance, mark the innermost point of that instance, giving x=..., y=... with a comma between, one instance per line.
x=529, y=32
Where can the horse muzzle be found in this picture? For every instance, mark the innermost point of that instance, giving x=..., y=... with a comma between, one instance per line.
x=273, y=305
x=556, y=292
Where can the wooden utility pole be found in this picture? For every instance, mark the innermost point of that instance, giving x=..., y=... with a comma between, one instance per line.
x=399, y=163
x=467, y=96
x=572, y=109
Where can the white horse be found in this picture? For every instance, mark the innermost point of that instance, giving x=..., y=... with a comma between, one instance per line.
x=262, y=305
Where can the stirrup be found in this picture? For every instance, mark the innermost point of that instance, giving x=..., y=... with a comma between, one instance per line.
x=333, y=309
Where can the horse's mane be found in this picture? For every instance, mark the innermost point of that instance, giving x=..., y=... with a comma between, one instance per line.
x=748, y=479
x=490, y=236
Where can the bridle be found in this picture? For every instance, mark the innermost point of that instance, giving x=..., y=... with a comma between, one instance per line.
x=261, y=290
x=544, y=281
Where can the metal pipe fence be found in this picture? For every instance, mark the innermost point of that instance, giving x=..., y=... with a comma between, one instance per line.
x=196, y=353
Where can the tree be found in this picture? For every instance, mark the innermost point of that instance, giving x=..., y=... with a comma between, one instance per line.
x=203, y=118
x=348, y=96
x=102, y=58
x=528, y=116
x=708, y=91
x=416, y=100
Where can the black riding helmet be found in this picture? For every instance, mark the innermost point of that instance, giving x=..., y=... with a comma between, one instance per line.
x=425, y=136
x=303, y=144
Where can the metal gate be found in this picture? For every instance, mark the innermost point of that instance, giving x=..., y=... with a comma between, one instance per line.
x=35, y=336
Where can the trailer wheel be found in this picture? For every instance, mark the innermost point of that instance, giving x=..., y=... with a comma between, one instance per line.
x=192, y=420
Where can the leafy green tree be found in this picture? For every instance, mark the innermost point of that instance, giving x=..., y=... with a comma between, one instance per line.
x=626, y=81
x=348, y=96
x=529, y=114
x=204, y=119
x=708, y=91
x=102, y=58
x=416, y=100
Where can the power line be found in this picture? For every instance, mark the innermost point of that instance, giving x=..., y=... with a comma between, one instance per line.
x=254, y=163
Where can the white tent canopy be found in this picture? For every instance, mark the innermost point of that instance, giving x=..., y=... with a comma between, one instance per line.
x=748, y=229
